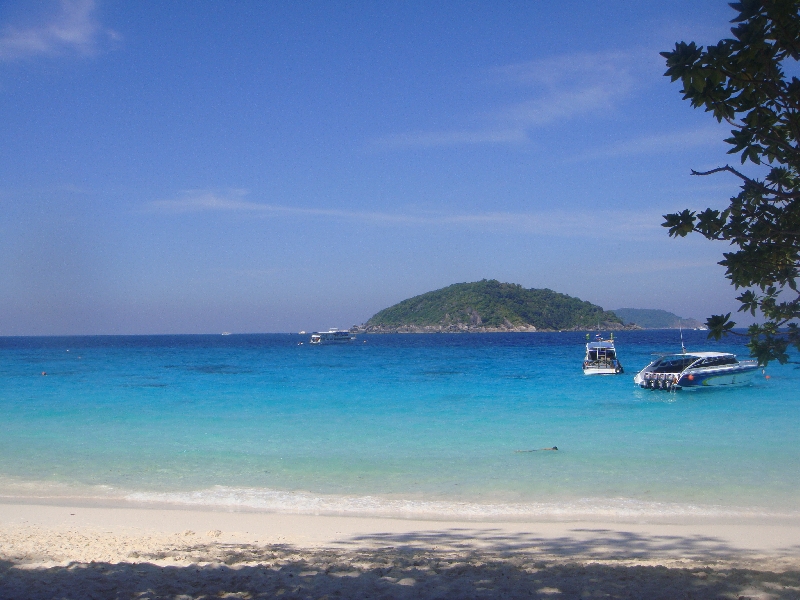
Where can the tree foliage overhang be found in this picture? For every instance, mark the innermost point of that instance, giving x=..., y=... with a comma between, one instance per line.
x=743, y=81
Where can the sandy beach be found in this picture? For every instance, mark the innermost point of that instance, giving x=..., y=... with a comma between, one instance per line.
x=51, y=551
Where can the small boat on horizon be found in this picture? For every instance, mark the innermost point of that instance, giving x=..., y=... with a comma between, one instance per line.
x=601, y=357
x=332, y=336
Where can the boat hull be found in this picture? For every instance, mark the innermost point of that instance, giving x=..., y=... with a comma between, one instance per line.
x=602, y=371
x=695, y=379
x=733, y=377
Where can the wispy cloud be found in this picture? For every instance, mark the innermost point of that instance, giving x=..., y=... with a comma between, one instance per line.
x=560, y=88
x=651, y=144
x=660, y=265
x=568, y=86
x=73, y=28
x=562, y=223
x=203, y=201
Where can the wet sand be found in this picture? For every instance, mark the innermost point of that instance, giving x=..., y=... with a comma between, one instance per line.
x=78, y=552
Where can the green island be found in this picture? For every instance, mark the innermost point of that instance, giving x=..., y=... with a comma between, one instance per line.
x=655, y=319
x=491, y=306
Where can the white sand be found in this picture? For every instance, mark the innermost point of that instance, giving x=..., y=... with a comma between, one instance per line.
x=76, y=552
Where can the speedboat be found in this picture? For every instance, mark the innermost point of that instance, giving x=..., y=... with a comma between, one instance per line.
x=332, y=336
x=601, y=357
x=693, y=370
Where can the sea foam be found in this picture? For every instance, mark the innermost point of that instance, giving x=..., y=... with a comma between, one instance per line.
x=305, y=503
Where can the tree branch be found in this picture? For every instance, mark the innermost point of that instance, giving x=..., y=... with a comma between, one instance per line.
x=745, y=178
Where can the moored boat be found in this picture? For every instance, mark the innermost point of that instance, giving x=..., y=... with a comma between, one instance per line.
x=601, y=357
x=693, y=370
x=332, y=336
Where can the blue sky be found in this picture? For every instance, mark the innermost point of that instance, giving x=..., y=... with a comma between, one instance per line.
x=190, y=167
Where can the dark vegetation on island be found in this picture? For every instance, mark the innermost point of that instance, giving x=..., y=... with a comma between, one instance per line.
x=491, y=306
x=655, y=319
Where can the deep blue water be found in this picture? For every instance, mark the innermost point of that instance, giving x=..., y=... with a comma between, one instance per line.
x=416, y=425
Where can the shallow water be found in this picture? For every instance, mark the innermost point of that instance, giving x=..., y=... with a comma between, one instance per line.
x=410, y=425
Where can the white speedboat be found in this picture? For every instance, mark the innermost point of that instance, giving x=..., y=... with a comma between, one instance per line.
x=693, y=370
x=601, y=357
x=332, y=336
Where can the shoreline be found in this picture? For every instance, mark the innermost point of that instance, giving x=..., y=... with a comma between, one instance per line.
x=77, y=551
x=224, y=499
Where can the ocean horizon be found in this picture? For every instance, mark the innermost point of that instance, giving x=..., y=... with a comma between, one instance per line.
x=402, y=425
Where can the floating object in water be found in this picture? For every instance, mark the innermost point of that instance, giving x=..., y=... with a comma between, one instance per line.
x=538, y=449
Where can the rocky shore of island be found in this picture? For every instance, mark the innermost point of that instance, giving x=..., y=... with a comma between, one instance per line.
x=464, y=328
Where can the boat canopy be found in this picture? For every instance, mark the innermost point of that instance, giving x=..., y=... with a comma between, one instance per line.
x=601, y=344
x=697, y=355
x=676, y=363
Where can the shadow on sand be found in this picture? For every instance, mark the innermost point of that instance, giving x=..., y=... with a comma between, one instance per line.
x=583, y=544
x=456, y=563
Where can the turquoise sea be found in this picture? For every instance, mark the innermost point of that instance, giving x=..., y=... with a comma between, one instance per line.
x=422, y=426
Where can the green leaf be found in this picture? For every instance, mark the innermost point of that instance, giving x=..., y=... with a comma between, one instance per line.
x=719, y=325
x=679, y=224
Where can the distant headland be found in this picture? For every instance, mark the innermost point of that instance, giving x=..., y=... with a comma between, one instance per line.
x=491, y=306
x=656, y=319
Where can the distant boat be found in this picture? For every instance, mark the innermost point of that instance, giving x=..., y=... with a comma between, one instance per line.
x=693, y=370
x=332, y=336
x=302, y=333
x=601, y=357
x=226, y=333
